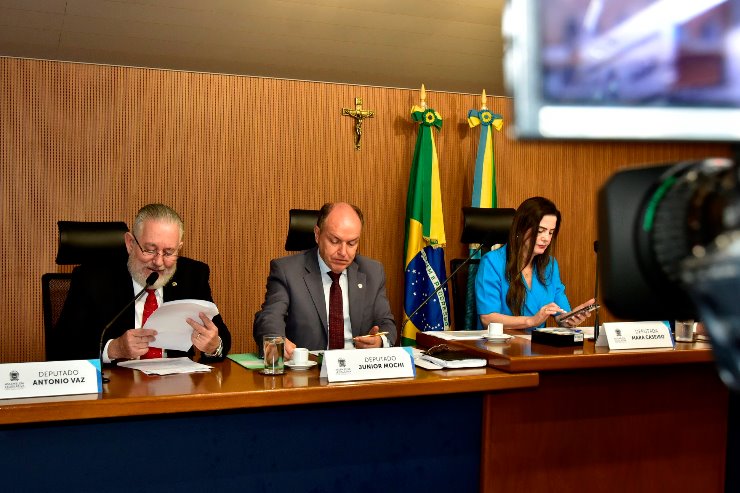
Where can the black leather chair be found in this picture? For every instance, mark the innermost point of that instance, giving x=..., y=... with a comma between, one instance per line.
x=81, y=241
x=300, y=230
x=482, y=226
x=78, y=242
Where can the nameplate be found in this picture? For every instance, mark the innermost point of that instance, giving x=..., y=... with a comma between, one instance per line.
x=638, y=335
x=43, y=379
x=344, y=365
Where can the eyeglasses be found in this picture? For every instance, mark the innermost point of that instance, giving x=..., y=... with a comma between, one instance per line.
x=439, y=348
x=168, y=253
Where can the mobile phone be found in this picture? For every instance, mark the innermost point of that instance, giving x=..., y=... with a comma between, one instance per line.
x=585, y=309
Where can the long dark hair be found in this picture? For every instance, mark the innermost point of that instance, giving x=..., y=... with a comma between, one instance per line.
x=527, y=221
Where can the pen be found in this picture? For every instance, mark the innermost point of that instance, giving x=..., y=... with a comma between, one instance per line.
x=378, y=334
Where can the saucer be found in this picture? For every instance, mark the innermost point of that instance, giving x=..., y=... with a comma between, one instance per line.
x=297, y=367
x=498, y=339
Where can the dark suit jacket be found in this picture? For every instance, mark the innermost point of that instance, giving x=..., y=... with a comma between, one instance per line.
x=295, y=305
x=98, y=292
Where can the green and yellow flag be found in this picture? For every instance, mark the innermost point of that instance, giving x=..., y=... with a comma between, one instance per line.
x=484, y=192
x=484, y=182
x=425, y=234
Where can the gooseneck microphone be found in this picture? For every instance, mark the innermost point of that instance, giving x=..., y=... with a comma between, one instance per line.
x=442, y=285
x=149, y=282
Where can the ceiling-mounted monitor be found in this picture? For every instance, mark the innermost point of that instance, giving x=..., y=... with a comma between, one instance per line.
x=624, y=69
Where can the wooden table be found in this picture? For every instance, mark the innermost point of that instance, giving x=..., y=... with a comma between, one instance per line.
x=640, y=420
x=234, y=427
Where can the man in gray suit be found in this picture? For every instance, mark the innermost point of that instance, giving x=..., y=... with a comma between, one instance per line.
x=302, y=300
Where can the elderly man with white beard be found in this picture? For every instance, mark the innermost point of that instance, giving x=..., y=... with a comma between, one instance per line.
x=100, y=290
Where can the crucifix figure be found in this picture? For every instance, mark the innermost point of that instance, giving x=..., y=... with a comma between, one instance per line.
x=359, y=115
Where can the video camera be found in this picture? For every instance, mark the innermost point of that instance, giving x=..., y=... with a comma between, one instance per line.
x=669, y=241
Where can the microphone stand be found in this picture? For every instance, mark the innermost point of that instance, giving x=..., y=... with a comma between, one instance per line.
x=596, y=293
x=149, y=282
x=442, y=285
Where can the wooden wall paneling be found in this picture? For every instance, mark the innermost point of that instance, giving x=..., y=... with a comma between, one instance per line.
x=232, y=154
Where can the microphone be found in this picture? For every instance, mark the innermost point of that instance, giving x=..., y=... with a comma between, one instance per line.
x=149, y=282
x=446, y=281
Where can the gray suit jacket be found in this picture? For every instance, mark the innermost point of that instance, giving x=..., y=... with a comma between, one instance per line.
x=296, y=308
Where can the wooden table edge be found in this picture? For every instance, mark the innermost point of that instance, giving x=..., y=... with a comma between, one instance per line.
x=84, y=409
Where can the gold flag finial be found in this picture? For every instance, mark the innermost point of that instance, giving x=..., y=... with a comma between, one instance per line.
x=423, y=97
x=483, y=100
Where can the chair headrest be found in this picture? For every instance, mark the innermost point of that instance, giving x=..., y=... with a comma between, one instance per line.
x=300, y=229
x=82, y=241
x=487, y=226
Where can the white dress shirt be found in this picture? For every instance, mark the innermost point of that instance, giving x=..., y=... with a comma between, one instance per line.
x=139, y=314
x=343, y=283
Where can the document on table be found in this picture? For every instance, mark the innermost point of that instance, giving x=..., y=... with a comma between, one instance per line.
x=170, y=322
x=421, y=362
x=588, y=331
x=165, y=366
x=458, y=335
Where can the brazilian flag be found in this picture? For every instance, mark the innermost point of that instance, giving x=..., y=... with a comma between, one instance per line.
x=425, y=234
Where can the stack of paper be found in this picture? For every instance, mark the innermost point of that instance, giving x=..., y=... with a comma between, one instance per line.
x=449, y=359
x=165, y=366
x=458, y=335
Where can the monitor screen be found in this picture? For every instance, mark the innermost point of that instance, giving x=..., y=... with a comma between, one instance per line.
x=624, y=69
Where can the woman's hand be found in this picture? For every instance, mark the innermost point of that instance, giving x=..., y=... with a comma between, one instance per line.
x=544, y=313
x=577, y=320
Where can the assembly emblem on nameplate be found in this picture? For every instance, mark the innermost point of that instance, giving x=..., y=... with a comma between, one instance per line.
x=48, y=378
x=638, y=335
x=344, y=365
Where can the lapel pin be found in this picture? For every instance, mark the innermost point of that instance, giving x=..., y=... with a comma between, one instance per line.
x=174, y=283
x=359, y=286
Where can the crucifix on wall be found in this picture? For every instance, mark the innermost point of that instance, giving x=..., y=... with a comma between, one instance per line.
x=359, y=116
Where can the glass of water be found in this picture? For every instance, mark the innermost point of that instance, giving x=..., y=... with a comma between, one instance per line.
x=684, y=330
x=273, y=346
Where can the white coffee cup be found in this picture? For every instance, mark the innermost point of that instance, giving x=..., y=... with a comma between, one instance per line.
x=300, y=356
x=495, y=329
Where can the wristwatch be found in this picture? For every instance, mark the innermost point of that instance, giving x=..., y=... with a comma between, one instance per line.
x=219, y=350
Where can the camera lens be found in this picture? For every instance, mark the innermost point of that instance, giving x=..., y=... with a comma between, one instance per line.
x=693, y=204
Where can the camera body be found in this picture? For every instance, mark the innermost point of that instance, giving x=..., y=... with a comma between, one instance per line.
x=669, y=240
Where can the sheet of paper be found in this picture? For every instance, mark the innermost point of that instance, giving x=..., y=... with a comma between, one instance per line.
x=169, y=320
x=165, y=366
x=588, y=332
x=458, y=335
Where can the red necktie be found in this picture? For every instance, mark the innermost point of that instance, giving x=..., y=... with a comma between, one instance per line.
x=149, y=306
x=336, y=313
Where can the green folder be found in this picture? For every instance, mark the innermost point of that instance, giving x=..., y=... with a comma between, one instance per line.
x=251, y=361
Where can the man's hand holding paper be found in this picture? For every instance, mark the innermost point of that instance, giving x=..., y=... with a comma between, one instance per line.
x=184, y=323
x=204, y=337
